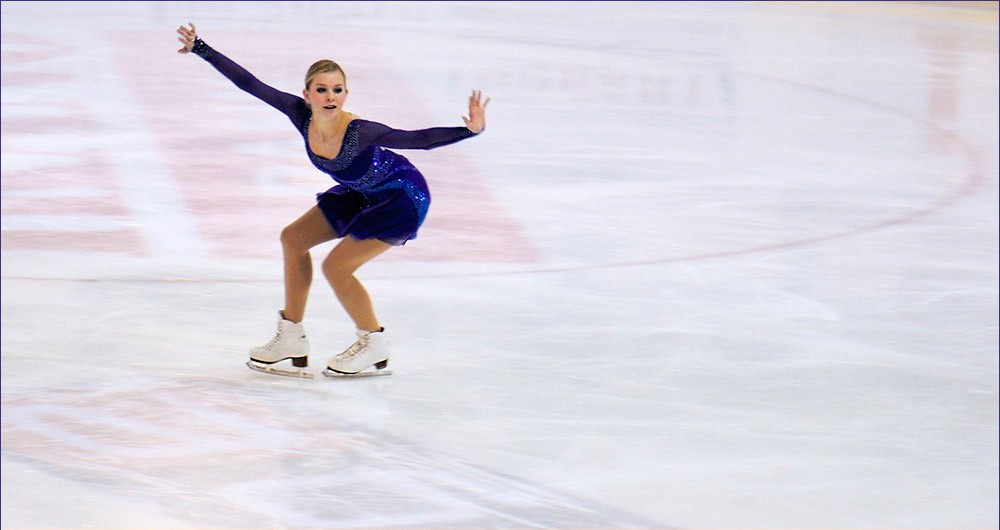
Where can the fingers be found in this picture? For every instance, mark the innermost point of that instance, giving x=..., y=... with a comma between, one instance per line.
x=190, y=31
x=187, y=35
x=476, y=100
x=476, y=120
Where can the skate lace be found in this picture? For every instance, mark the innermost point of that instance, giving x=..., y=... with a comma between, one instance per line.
x=355, y=349
x=274, y=341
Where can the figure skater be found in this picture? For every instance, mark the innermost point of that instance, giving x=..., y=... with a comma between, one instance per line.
x=380, y=201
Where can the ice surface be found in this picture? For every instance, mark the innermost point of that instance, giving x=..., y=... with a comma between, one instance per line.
x=712, y=265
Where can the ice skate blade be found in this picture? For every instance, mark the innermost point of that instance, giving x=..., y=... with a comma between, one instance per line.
x=364, y=373
x=301, y=374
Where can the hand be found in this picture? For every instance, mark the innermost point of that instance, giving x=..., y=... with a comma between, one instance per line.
x=187, y=36
x=476, y=120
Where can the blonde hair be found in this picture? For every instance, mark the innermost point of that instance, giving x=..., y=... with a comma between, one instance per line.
x=323, y=66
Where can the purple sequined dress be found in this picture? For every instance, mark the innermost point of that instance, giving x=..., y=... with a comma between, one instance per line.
x=379, y=194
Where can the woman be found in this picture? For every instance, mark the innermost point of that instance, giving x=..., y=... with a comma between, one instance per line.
x=380, y=201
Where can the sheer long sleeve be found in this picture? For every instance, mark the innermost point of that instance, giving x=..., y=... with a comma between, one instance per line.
x=291, y=105
x=374, y=133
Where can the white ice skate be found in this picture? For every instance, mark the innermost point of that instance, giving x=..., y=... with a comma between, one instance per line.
x=370, y=350
x=290, y=343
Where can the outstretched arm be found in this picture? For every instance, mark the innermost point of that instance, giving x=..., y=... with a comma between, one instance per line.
x=289, y=104
x=375, y=133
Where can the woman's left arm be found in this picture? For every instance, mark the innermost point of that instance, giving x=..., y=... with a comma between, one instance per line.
x=374, y=133
x=378, y=134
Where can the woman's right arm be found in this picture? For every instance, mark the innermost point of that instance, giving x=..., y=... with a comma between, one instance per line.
x=289, y=104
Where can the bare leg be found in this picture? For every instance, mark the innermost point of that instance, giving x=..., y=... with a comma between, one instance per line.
x=339, y=267
x=296, y=239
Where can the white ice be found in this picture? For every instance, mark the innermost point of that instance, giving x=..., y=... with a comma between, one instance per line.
x=711, y=265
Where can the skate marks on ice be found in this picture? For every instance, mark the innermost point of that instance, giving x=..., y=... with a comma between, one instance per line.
x=225, y=453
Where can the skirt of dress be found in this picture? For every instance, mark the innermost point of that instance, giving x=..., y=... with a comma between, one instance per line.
x=391, y=214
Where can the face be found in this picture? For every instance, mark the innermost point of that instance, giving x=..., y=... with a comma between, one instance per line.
x=327, y=93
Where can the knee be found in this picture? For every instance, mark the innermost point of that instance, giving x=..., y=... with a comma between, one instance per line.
x=336, y=271
x=291, y=240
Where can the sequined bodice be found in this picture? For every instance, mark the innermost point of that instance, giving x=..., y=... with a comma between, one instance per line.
x=348, y=149
x=361, y=169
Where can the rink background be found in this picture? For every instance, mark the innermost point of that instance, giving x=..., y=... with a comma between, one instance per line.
x=711, y=265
